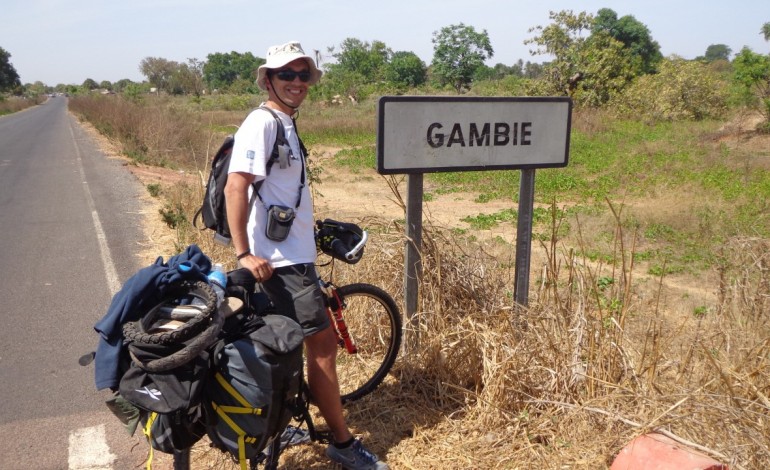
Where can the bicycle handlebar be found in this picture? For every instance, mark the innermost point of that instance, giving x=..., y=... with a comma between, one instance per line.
x=340, y=250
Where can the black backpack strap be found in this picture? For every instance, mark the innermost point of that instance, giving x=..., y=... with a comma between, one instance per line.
x=280, y=140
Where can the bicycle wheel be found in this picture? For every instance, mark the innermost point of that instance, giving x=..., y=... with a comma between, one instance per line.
x=195, y=318
x=374, y=322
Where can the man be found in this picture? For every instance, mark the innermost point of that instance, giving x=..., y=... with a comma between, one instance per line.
x=286, y=268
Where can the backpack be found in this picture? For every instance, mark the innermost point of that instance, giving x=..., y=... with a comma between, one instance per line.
x=256, y=382
x=166, y=395
x=213, y=211
x=173, y=432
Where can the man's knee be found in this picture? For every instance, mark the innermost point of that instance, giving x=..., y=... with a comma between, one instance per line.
x=322, y=345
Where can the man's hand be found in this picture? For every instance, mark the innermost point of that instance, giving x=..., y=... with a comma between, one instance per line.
x=260, y=268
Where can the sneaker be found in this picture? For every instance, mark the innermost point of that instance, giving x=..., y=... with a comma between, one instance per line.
x=355, y=457
x=293, y=435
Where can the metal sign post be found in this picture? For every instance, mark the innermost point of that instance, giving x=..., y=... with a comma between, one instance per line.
x=425, y=134
x=413, y=257
x=524, y=237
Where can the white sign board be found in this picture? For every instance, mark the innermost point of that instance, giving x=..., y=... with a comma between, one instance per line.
x=423, y=134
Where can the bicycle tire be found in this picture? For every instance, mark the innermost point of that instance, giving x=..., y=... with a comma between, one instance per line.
x=138, y=331
x=194, y=347
x=374, y=321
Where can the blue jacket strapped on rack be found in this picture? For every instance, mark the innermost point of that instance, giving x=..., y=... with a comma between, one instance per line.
x=138, y=295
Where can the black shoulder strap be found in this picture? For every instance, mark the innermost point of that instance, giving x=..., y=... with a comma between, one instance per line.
x=280, y=139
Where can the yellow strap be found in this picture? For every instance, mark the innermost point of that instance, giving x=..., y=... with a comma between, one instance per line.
x=222, y=411
x=242, y=410
x=148, y=434
x=223, y=382
x=228, y=420
x=240, y=432
x=242, y=452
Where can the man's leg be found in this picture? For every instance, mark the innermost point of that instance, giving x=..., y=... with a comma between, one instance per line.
x=321, y=351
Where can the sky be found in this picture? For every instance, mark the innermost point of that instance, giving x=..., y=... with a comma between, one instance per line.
x=69, y=41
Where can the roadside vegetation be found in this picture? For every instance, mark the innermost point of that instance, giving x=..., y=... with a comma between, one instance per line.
x=9, y=105
x=650, y=293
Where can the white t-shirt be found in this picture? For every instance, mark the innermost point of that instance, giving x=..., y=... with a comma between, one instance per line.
x=251, y=150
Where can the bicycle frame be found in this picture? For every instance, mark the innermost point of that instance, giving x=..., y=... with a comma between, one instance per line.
x=334, y=307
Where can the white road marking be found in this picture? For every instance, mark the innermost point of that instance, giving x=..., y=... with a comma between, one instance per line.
x=113, y=283
x=88, y=449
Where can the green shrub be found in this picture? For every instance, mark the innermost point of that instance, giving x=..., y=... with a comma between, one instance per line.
x=682, y=90
x=154, y=189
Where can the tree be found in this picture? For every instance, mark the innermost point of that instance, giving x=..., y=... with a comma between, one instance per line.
x=606, y=69
x=9, y=78
x=189, y=77
x=406, y=69
x=590, y=69
x=360, y=69
x=533, y=70
x=766, y=31
x=173, y=77
x=563, y=39
x=501, y=70
x=752, y=71
x=634, y=35
x=37, y=88
x=121, y=85
x=135, y=91
x=458, y=51
x=159, y=72
x=90, y=84
x=360, y=57
x=105, y=85
x=222, y=70
x=717, y=52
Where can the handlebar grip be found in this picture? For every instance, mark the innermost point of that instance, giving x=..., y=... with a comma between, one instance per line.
x=339, y=249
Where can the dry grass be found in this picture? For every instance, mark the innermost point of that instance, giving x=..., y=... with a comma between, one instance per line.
x=14, y=104
x=568, y=381
x=158, y=133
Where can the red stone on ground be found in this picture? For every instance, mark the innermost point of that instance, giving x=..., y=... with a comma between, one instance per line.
x=658, y=452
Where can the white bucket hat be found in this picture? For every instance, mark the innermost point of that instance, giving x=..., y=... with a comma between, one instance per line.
x=279, y=56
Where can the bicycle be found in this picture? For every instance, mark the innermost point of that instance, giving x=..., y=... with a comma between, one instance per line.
x=368, y=326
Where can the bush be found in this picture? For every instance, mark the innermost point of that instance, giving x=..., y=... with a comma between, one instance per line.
x=683, y=90
x=752, y=72
x=509, y=85
x=14, y=104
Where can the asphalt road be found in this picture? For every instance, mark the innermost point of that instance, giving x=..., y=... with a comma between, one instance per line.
x=69, y=228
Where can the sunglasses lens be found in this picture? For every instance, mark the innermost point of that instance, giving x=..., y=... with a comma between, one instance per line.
x=290, y=75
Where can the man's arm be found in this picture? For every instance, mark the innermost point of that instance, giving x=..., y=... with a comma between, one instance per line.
x=237, y=205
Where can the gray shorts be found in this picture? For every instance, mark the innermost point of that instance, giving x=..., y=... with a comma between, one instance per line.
x=295, y=292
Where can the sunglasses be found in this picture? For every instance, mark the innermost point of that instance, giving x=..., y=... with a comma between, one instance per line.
x=290, y=75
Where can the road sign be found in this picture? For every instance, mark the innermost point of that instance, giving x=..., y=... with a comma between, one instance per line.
x=427, y=134
x=424, y=134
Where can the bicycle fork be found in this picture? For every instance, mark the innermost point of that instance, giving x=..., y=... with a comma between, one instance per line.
x=334, y=307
